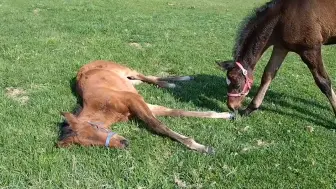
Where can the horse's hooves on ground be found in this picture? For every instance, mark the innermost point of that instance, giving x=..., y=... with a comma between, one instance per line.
x=233, y=116
x=188, y=78
x=237, y=117
x=166, y=84
x=171, y=85
x=210, y=150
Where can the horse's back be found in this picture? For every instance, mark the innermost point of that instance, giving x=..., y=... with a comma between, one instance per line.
x=104, y=65
x=308, y=22
x=98, y=75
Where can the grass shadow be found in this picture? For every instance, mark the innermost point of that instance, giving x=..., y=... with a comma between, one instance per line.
x=206, y=91
x=209, y=91
x=72, y=84
x=299, y=111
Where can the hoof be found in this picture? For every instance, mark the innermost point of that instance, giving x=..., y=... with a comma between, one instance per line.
x=171, y=85
x=232, y=116
x=210, y=150
x=186, y=78
x=164, y=84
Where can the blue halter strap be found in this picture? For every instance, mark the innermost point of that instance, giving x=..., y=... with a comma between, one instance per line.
x=109, y=136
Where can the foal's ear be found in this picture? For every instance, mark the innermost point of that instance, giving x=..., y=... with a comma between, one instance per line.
x=71, y=119
x=225, y=65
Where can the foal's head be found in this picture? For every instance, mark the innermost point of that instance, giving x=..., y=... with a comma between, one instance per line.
x=239, y=81
x=89, y=134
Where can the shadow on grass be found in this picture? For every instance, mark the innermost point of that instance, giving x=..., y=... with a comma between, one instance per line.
x=209, y=91
x=72, y=84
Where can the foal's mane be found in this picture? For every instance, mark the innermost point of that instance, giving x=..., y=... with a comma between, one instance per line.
x=65, y=129
x=249, y=25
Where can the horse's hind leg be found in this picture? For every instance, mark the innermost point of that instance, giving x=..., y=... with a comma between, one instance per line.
x=273, y=65
x=137, y=78
x=138, y=107
x=313, y=59
x=164, y=111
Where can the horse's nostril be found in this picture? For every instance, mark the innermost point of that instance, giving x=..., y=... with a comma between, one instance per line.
x=124, y=143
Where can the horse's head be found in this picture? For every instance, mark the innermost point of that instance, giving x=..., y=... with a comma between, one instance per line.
x=88, y=133
x=239, y=82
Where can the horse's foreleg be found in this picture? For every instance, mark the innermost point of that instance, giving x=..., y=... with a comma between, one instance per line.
x=273, y=65
x=164, y=111
x=313, y=59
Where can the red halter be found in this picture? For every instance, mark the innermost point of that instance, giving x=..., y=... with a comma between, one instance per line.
x=247, y=85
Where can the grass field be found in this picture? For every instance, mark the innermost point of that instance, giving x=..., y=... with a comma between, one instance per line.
x=289, y=143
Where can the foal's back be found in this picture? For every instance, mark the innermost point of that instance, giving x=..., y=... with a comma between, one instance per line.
x=99, y=76
x=309, y=22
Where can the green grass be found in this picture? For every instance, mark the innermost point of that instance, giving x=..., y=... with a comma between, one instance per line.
x=44, y=43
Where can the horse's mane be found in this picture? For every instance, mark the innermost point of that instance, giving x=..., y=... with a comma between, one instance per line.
x=249, y=25
x=65, y=129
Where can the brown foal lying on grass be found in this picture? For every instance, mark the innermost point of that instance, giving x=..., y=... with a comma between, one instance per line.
x=109, y=96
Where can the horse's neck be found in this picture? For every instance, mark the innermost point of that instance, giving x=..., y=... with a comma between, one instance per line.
x=93, y=117
x=256, y=36
x=251, y=57
x=103, y=118
x=254, y=46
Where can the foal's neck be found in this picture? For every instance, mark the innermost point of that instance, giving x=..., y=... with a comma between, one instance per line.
x=253, y=48
x=255, y=36
x=95, y=117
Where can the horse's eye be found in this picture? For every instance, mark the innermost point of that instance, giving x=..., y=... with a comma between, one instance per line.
x=228, y=82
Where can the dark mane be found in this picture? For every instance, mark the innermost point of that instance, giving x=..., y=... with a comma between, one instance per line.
x=249, y=25
x=65, y=129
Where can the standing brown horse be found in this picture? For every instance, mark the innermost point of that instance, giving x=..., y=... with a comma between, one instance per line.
x=109, y=97
x=300, y=26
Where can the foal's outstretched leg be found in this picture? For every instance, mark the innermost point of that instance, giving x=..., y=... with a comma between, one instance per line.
x=159, y=81
x=313, y=59
x=164, y=111
x=141, y=110
x=273, y=65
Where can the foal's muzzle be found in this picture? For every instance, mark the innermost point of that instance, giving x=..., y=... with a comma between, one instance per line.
x=124, y=143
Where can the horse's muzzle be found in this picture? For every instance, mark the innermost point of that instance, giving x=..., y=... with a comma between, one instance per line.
x=234, y=103
x=124, y=143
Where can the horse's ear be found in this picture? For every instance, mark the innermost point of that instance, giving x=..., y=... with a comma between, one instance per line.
x=71, y=119
x=225, y=65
